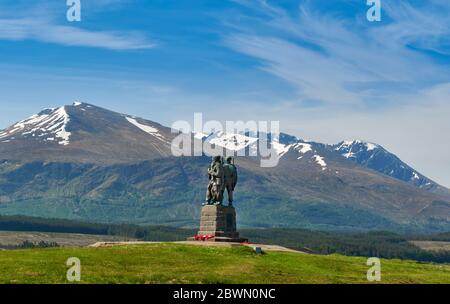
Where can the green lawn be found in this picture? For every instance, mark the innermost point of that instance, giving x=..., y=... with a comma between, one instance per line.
x=176, y=263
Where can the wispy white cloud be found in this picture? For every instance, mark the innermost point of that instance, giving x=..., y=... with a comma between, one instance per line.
x=26, y=29
x=426, y=26
x=38, y=23
x=347, y=61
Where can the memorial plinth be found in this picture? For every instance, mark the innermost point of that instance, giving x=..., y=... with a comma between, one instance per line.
x=218, y=224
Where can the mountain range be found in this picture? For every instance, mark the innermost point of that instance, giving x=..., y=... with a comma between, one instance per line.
x=84, y=162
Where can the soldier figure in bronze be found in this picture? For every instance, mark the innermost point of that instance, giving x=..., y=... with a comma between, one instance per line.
x=214, y=192
x=231, y=177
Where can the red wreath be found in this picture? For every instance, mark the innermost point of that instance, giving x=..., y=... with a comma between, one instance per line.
x=203, y=237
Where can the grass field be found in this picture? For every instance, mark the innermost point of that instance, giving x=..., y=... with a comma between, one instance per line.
x=175, y=263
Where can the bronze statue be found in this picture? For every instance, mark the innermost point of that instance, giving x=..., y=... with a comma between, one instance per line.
x=231, y=177
x=214, y=192
x=221, y=177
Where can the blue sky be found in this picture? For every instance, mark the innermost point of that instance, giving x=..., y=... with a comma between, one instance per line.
x=319, y=67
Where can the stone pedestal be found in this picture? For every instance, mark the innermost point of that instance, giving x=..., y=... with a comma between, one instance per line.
x=218, y=224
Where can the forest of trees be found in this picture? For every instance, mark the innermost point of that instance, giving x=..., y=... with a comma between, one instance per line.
x=374, y=244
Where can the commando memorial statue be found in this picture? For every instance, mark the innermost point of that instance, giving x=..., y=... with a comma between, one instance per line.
x=218, y=222
x=221, y=176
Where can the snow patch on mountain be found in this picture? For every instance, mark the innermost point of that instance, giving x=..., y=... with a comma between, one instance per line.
x=237, y=142
x=371, y=146
x=320, y=161
x=147, y=129
x=303, y=148
x=350, y=149
x=48, y=125
x=229, y=141
x=61, y=131
x=280, y=149
x=199, y=135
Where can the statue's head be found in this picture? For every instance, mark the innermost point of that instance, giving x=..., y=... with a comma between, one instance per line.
x=229, y=159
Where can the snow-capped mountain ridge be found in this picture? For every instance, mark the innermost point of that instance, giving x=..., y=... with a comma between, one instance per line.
x=364, y=153
x=84, y=132
x=377, y=158
x=282, y=144
x=84, y=125
x=121, y=162
x=51, y=125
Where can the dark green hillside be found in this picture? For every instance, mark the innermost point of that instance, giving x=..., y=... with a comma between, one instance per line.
x=169, y=191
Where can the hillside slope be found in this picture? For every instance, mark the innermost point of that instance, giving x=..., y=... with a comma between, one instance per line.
x=168, y=191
